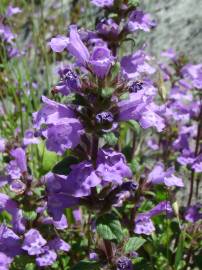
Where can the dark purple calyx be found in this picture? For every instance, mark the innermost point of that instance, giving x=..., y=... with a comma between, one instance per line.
x=136, y=86
x=124, y=263
x=104, y=118
x=69, y=79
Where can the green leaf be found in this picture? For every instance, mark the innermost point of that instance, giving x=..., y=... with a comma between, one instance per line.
x=110, y=138
x=115, y=71
x=48, y=159
x=133, y=244
x=109, y=228
x=107, y=92
x=134, y=126
x=133, y=3
x=86, y=265
x=63, y=167
x=30, y=215
x=180, y=249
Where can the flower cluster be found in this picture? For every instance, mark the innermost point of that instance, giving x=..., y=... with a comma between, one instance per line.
x=101, y=184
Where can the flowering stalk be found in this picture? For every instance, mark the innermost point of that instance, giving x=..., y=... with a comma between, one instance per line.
x=102, y=186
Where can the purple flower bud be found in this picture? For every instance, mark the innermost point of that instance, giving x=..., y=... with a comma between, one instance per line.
x=11, y=10
x=93, y=256
x=104, y=118
x=17, y=186
x=136, y=86
x=108, y=29
x=124, y=263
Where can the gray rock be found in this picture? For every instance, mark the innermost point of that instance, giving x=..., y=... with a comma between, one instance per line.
x=179, y=26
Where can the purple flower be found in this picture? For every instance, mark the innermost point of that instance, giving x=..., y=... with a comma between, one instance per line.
x=77, y=215
x=11, y=10
x=58, y=199
x=9, y=242
x=6, y=33
x=138, y=20
x=59, y=43
x=136, y=64
x=161, y=207
x=81, y=179
x=47, y=258
x=111, y=166
x=159, y=176
x=5, y=261
x=150, y=118
x=194, y=73
x=33, y=242
x=197, y=164
x=58, y=244
x=69, y=82
x=139, y=107
x=108, y=28
x=63, y=130
x=58, y=224
x=29, y=138
x=124, y=263
x=13, y=170
x=51, y=113
x=76, y=47
x=63, y=135
x=102, y=3
x=57, y=202
x=144, y=225
x=170, y=53
x=20, y=158
x=143, y=222
x=10, y=206
x=9, y=246
x=152, y=144
x=101, y=61
x=193, y=213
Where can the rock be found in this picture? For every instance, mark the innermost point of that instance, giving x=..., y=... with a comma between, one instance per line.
x=179, y=26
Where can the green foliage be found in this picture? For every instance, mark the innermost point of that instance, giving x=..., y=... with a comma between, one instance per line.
x=47, y=158
x=63, y=167
x=110, y=138
x=109, y=228
x=133, y=3
x=133, y=244
x=86, y=265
